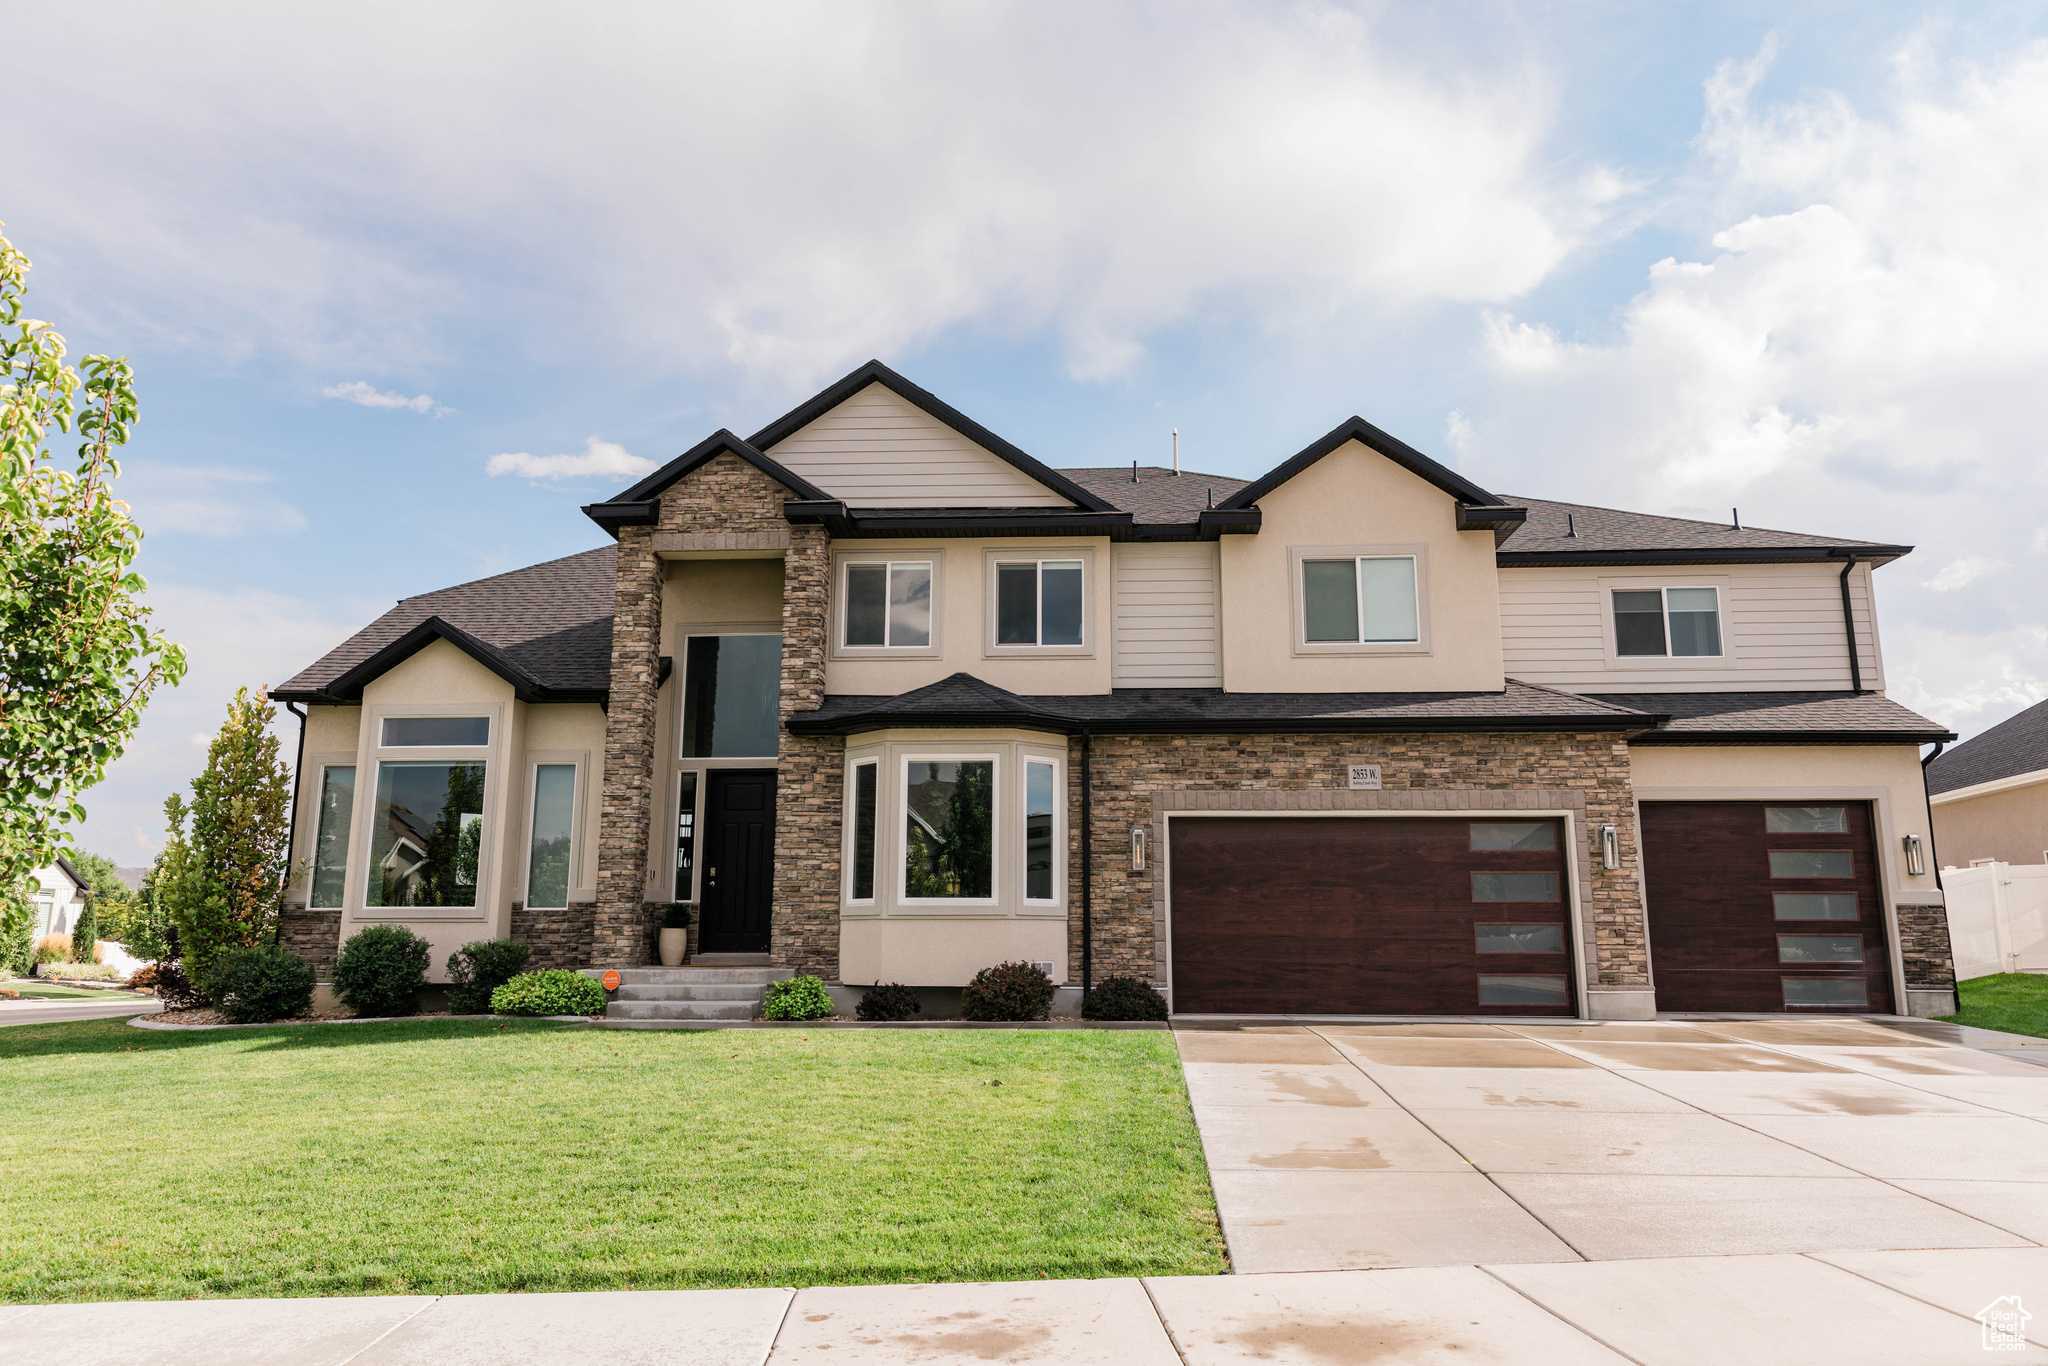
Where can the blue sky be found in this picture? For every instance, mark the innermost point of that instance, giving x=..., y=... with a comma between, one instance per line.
x=1676, y=258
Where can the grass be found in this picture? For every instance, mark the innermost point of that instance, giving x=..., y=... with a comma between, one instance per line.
x=464, y=1157
x=2016, y=1002
x=37, y=988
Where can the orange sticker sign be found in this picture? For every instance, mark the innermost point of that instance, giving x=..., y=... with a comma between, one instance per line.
x=611, y=981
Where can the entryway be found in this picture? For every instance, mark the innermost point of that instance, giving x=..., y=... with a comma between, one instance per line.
x=738, y=861
x=1370, y=915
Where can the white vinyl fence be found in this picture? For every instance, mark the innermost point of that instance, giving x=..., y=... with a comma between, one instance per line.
x=1998, y=918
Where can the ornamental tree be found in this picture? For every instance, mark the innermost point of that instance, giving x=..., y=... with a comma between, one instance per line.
x=221, y=877
x=78, y=661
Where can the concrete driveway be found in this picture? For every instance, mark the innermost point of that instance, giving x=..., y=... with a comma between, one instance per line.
x=1337, y=1146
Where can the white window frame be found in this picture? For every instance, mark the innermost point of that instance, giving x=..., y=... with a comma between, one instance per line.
x=535, y=760
x=935, y=558
x=493, y=759
x=901, y=844
x=681, y=677
x=1299, y=555
x=348, y=850
x=1618, y=662
x=1025, y=759
x=854, y=764
x=1039, y=555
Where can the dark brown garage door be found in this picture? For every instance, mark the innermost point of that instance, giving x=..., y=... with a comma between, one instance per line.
x=1369, y=916
x=1757, y=906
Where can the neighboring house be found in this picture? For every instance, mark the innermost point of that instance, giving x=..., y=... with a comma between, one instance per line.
x=1990, y=794
x=56, y=895
x=1355, y=736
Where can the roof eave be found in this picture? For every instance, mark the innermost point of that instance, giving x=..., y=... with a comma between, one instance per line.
x=1874, y=554
x=1791, y=737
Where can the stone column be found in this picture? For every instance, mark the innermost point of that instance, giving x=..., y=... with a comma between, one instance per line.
x=808, y=784
x=620, y=935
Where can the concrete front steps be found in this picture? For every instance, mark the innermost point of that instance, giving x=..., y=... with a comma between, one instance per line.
x=696, y=992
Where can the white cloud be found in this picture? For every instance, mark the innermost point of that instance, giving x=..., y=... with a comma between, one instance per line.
x=1962, y=573
x=1097, y=172
x=205, y=500
x=606, y=458
x=1858, y=355
x=360, y=391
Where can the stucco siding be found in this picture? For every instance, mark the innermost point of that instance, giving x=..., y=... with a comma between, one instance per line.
x=879, y=450
x=1781, y=629
x=1168, y=626
x=2010, y=826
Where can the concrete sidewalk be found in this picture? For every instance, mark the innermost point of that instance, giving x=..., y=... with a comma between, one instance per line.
x=31, y=1011
x=1872, y=1308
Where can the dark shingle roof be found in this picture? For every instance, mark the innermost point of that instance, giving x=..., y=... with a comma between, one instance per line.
x=1158, y=496
x=1779, y=718
x=553, y=620
x=2010, y=748
x=1610, y=529
x=964, y=700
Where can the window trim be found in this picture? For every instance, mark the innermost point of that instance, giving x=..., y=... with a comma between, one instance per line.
x=535, y=761
x=836, y=648
x=901, y=844
x=1617, y=662
x=681, y=676
x=1298, y=555
x=1040, y=555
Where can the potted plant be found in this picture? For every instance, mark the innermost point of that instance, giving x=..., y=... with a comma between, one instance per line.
x=675, y=934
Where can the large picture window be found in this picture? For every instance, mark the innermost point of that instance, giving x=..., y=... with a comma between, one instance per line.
x=889, y=605
x=1673, y=622
x=426, y=834
x=1039, y=602
x=732, y=697
x=554, y=820
x=1363, y=599
x=330, y=843
x=949, y=829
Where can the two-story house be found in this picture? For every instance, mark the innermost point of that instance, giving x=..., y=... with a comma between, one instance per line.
x=886, y=699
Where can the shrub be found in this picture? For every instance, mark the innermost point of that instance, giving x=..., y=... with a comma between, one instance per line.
x=1008, y=991
x=800, y=998
x=81, y=972
x=53, y=948
x=17, y=945
x=381, y=970
x=85, y=934
x=1123, y=998
x=556, y=991
x=888, y=1001
x=676, y=917
x=175, y=989
x=144, y=978
x=254, y=986
x=476, y=970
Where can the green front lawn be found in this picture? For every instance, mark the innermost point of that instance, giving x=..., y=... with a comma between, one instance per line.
x=464, y=1157
x=2016, y=1002
x=37, y=989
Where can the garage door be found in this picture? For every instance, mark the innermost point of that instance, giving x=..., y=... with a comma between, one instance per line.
x=1756, y=906
x=1369, y=916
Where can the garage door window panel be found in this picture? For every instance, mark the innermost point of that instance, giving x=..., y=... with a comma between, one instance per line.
x=1806, y=820
x=1839, y=993
x=1820, y=948
x=1815, y=906
x=1514, y=886
x=1520, y=938
x=1829, y=863
x=1523, y=991
x=1536, y=835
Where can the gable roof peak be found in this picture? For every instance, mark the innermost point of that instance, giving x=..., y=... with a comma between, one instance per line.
x=1355, y=428
x=640, y=504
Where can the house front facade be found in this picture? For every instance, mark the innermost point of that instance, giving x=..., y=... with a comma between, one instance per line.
x=885, y=699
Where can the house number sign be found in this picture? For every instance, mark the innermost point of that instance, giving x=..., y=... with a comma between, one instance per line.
x=1362, y=777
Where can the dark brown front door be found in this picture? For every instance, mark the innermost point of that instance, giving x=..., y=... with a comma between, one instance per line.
x=739, y=861
x=1765, y=906
x=1369, y=916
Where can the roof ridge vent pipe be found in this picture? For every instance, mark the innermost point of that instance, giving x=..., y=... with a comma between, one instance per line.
x=1571, y=525
x=1849, y=629
x=1134, y=471
x=1736, y=515
x=1176, y=452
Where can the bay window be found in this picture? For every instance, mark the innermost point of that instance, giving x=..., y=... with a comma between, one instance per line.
x=1040, y=792
x=861, y=857
x=426, y=833
x=949, y=829
x=330, y=841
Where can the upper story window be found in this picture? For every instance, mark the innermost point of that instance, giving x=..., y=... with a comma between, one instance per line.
x=438, y=732
x=888, y=604
x=1673, y=622
x=732, y=697
x=1038, y=602
x=1359, y=599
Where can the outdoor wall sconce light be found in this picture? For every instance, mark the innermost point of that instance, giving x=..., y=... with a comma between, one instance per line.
x=1916, y=856
x=1137, y=848
x=1610, y=848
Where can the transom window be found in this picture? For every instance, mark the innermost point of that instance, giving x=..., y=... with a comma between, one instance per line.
x=1038, y=602
x=410, y=732
x=888, y=605
x=1671, y=622
x=1364, y=599
x=732, y=697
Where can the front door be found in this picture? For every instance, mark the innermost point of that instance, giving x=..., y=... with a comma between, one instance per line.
x=739, y=861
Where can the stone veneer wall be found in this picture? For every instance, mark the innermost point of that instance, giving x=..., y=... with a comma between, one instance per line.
x=1137, y=779
x=557, y=939
x=810, y=780
x=313, y=935
x=1924, y=945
